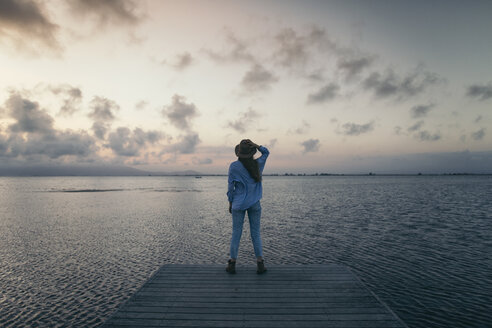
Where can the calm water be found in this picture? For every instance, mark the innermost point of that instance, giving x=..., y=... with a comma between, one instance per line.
x=73, y=249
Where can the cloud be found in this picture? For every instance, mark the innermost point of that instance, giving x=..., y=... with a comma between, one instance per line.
x=294, y=50
x=291, y=48
x=417, y=126
x=353, y=67
x=272, y=143
x=421, y=110
x=422, y=135
x=142, y=137
x=353, y=129
x=63, y=144
x=315, y=76
x=427, y=136
x=72, y=97
x=100, y=129
x=52, y=146
x=180, y=113
x=181, y=62
x=480, y=91
x=187, y=144
x=478, y=135
x=33, y=135
x=102, y=114
x=28, y=115
x=390, y=84
x=302, y=129
x=258, y=79
x=244, y=121
x=478, y=119
x=310, y=145
x=142, y=104
x=124, y=142
x=25, y=24
x=103, y=109
x=201, y=161
x=326, y=93
x=237, y=51
x=120, y=12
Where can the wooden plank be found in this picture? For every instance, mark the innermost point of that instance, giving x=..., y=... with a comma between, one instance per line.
x=286, y=296
x=256, y=305
x=257, y=317
x=316, y=308
x=238, y=322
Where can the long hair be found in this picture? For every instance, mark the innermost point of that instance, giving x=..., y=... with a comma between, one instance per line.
x=252, y=166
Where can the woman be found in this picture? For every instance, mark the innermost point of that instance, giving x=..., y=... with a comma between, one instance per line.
x=244, y=193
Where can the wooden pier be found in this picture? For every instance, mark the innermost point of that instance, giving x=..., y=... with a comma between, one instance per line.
x=285, y=296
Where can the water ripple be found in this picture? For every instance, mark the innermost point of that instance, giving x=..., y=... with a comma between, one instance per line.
x=71, y=257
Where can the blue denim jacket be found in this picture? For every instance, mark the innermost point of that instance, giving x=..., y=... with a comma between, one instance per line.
x=242, y=190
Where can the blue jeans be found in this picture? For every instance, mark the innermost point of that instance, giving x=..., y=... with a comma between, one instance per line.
x=254, y=215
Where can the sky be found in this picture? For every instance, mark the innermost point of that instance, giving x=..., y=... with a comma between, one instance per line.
x=327, y=86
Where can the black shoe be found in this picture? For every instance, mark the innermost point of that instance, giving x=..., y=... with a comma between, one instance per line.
x=231, y=267
x=261, y=267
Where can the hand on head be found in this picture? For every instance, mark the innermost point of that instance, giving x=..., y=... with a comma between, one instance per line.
x=251, y=143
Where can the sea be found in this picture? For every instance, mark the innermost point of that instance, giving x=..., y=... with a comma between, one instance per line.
x=73, y=249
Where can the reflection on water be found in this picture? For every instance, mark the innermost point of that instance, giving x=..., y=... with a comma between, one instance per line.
x=72, y=249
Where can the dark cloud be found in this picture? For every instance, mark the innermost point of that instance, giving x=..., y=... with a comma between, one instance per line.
x=67, y=143
x=28, y=115
x=478, y=119
x=33, y=135
x=427, y=136
x=125, y=142
x=244, y=121
x=390, y=84
x=103, y=109
x=49, y=146
x=326, y=93
x=201, y=161
x=25, y=24
x=71, y=97
x=478, y=135
x=310, y=145
x=480, y=91
x=421, y=110
x=416, y=127
x=236, y=51
x=180, y=113
x=122, y=12
x=187, y=144
x=258, y=79
x=353, y=67
x=397, y=130
x=353, y=129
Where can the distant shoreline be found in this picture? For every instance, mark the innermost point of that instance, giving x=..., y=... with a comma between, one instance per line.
x=266, y=175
